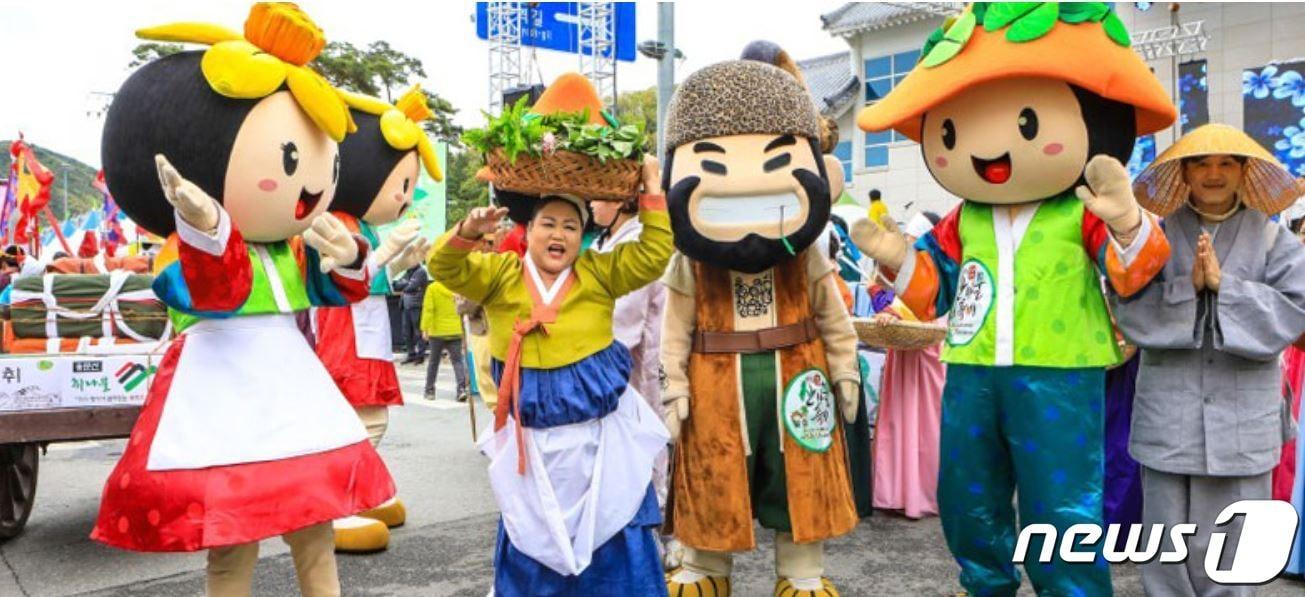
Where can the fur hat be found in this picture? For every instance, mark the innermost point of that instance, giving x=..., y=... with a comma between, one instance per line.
x=740, y=97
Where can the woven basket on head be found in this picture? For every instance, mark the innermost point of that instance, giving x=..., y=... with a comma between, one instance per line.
x=565, y=173
x=899, y=335
x=1266, y=186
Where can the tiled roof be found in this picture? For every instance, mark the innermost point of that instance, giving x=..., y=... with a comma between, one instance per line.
x=830, y=80
x=855, y=17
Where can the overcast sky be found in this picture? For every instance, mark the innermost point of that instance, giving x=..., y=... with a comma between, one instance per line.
x=59, y=54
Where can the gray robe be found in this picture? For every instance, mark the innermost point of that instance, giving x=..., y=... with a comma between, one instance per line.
x=1208, y=392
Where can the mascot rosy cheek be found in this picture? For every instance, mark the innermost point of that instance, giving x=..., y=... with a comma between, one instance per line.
x=757, y=346
x=379, y=168
x=233, y=151
x=1025, y=111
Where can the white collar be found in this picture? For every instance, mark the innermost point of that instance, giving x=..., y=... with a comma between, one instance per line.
x=547, y=294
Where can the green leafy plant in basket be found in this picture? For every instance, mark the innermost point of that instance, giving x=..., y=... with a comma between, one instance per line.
x=518, y=131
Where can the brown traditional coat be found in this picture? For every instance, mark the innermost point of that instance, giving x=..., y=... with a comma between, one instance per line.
x=712, y=504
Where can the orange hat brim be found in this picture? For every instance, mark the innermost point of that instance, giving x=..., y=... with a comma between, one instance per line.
x=1081, y=54
x=571, y=93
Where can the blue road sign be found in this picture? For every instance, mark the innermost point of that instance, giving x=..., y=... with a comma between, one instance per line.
x=555, y=26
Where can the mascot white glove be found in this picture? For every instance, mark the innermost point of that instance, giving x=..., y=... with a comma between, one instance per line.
x=398, y=246
x=191, y=202
x=677, y=412
x=849, y=399
x=413, y=254
x=1109, y=195
x=882, y=241
x=333, y=241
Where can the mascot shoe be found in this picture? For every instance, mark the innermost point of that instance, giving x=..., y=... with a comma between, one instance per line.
x=392, y=513
x=684, y=583
x=805, y=587
x=355, y=534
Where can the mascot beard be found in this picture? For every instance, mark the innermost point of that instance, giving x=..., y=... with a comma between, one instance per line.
x=753, y=253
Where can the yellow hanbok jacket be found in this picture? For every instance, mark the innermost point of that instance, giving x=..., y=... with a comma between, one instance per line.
x=584, y=325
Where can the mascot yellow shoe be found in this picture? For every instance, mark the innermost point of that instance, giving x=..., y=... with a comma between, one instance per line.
x=392, y=513
x=685, y=583
x=805, y=587
x=355, y=534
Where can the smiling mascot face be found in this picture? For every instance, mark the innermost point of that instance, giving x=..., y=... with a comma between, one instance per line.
x=1017, y=140
x=746, y=184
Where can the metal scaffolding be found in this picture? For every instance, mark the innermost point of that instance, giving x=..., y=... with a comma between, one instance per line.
x=506, y=67
x=596, y=38
x=1177, y=40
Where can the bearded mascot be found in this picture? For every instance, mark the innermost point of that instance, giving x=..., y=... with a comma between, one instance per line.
x=1026, y=111
x=758, y=348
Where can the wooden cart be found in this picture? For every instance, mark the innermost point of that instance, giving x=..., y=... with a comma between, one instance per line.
x=25, y=433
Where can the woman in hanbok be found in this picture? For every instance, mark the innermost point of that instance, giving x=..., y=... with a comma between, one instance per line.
x=572, y=454
x=910, y=413
x=1209, y=418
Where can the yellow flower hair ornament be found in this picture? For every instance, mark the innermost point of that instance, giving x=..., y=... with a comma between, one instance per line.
x=401, y=124
x=278, y=43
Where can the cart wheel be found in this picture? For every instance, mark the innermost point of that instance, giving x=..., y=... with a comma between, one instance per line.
x=18, y=467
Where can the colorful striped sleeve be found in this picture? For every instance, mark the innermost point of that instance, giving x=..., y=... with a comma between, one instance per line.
x=1130, y=268
x=927, y=281
x=212, y=275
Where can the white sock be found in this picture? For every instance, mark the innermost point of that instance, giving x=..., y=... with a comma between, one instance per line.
x=806, y=584
x=687, y=577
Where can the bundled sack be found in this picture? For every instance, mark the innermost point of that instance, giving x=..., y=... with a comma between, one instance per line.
x=119, y=305
x=82, y=345
x=136, y=264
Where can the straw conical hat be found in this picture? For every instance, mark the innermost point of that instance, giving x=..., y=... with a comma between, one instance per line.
x=1081, y=43
x=1267, y=186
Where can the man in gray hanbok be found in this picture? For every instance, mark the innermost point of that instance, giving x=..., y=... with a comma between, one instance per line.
x=1208, y=418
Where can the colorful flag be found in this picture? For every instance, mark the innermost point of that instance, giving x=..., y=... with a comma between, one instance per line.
x=33, y=188
x=112, y=233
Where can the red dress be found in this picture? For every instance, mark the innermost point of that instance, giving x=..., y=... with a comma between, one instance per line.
x=354, y=342
x=242, y=435
x=363, y=381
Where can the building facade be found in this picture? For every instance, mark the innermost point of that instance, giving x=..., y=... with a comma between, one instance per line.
x=1241, y=64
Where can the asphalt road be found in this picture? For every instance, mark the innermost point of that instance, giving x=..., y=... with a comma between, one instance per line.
x=447, y=546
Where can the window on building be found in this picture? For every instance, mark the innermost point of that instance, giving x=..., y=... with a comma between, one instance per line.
x=843, y=151
x=882, y=74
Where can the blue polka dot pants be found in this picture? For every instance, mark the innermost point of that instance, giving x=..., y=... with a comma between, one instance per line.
x=1030, y=435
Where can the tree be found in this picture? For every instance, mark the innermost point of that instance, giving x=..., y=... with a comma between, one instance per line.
x=381, y=71
x=151, y=51
x=640, y=106
x=462, y=190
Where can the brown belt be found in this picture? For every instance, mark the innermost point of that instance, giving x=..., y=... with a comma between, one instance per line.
x=756, y=341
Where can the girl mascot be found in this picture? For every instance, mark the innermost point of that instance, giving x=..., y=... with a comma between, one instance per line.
x=233, y=151
x=379, y=167
x=1025, y=111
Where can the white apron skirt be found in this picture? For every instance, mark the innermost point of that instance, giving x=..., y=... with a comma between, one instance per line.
x=371, y=329
x=584, y=482
x=249, y=389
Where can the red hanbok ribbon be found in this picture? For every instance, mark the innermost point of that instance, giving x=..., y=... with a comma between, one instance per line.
x=509, y=389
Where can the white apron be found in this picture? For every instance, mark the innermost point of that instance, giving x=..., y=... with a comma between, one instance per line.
x=371, y=329
x=584, y=482
x=249, y=389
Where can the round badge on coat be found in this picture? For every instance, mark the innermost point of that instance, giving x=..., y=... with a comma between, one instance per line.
x=973, y=302
x=809, y=414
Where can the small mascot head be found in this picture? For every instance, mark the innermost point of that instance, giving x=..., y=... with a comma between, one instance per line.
x=379, y=164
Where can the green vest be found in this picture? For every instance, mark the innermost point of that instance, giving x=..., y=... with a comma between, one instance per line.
x=264, y=258
x=1041, y=306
